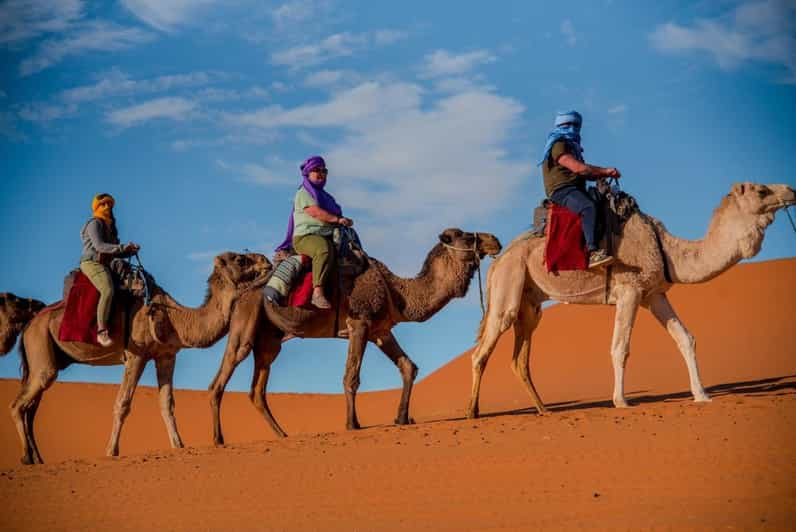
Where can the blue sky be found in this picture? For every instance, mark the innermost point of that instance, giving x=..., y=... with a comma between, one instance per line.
x=196, y=114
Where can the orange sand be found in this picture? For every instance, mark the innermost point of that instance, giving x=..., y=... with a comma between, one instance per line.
x=666, y=464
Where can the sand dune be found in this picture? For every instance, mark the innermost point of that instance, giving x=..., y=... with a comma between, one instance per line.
x=665, y=464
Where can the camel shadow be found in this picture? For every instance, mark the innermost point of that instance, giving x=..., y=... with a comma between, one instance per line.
x=784, y=385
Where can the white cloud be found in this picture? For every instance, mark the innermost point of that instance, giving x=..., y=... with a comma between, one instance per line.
x=443, y=63
x=755, y=31
x=42, y=113
x=116, y=83
x=278, y=172
x=568, y=31
x=165, y=15
x=421, y=165
x=621, y=108
x=21, y=20
x=325, y=78
x=337, y=45
x=293, y=12
x=171, y=108
x=94, y=36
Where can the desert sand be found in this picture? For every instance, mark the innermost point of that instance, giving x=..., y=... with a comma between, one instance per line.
x=664, y=464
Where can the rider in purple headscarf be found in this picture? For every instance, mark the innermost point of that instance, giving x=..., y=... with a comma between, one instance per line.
x=309, y=231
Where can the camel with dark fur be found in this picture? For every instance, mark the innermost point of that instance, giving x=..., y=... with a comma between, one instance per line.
x=378, y=301
x=142, y=333
x=15, y=313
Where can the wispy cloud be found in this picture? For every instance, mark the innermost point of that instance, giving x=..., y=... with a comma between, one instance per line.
x=568, y=31
x=444, y=63
x=42, y=113
x=337, y=45
x=21, y=20
x=621, y=108
x=293, y=12
x=92, y=36
x=166, y=15
x=326, y=78
x=753, y=32
x=170, y=108
x=116, y=83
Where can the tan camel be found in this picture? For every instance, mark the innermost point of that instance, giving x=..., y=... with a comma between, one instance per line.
x=378, y=301
x=156, y=332
x=518, y=283
x=15, y=313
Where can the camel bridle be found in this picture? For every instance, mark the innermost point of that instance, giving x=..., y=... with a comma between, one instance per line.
x=474, y=251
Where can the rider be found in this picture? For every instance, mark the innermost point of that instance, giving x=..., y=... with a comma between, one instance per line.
x=311, y=225
x=565, y=174
x=101, y=244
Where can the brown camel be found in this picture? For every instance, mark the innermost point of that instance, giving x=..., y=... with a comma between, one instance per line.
x=15, y=313
x=378, y=301
x=156, y=332
x=518, y=282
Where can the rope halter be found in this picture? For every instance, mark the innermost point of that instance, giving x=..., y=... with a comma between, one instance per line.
x=474, y=251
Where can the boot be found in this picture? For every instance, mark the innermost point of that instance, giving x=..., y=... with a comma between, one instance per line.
x=320, y=301
x=103, y=338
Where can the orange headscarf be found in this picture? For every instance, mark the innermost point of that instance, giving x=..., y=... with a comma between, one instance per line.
x=102, y=208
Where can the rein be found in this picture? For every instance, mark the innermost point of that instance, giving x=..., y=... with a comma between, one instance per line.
x=787, y=211
x=474, y=250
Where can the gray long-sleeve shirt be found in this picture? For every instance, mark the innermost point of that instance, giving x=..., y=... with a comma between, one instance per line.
x=97, y=239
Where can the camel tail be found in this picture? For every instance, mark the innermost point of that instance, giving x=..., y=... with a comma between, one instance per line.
x=23, y=361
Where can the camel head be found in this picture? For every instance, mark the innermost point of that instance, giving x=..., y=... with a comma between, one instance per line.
x=757, y=199
x=237, y=271
x=464, y=246
x=15, y=313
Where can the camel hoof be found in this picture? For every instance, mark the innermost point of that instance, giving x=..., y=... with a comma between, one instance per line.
x=26, y=460
x=404, y=421
x=472, y=414
x=621, y=404
x=703, y=399
x=112, y=452
x=352, y=425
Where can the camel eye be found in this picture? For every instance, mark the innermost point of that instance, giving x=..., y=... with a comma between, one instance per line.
x=763, y=192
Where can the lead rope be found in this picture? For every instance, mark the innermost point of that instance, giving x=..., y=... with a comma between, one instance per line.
x=787, y=211
x=477, y=266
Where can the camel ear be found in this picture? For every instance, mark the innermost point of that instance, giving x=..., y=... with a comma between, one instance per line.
x=220, y=262
x=739, y=189
x=445, y=237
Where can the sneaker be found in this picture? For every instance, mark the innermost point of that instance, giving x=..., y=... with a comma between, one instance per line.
x=599, y=258
x=319, y=301
x=103, y=338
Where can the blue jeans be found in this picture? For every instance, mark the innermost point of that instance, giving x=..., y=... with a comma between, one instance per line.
x=578, y=201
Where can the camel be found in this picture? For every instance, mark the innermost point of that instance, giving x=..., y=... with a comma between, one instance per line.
x=157, y=331
x=649, y=262
x=377, y=302
x=15, y=313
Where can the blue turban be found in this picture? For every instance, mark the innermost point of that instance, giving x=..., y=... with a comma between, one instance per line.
x=569, y=134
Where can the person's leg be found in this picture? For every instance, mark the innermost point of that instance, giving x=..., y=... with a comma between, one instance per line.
x=578, y=201
x=100, y=277
x=319, y=249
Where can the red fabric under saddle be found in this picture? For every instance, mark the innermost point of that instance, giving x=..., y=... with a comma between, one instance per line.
x=565, y=248
x=79, y=323
x=301, y=294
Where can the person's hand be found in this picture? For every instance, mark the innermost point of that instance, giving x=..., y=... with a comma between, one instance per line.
x=347, y=222
x=612, y=172
x=131, y=248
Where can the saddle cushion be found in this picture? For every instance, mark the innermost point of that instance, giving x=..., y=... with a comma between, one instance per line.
x=301, y=295
x=79, y=323
x=565, y=248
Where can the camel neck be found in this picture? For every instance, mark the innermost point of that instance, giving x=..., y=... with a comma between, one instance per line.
x=201, y=326
x=731, y=236
x=441, y=279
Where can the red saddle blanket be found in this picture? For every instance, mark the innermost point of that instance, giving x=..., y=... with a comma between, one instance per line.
x=301, y=294
x=79, y=323
x=565, y=248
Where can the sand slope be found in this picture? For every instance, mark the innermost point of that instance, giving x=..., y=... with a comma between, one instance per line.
x=665, y=464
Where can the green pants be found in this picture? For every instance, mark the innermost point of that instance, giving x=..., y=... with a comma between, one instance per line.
x=100, y=277
x=322, y=253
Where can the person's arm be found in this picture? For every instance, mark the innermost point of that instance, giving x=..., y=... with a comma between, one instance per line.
x=325, y=216
x=94, y=232
x=589, y=171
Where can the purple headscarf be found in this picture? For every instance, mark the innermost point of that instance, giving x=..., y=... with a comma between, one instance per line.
x=325, y=200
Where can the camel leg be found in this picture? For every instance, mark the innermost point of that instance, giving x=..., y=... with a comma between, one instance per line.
x=389, y=346
x=662, y=310
x=266, y=348
x=165, y=371
x=234, y=354
x=133, y=368
x=357, y=338
x=527, y=320
x=23, y=411
x=626, y=308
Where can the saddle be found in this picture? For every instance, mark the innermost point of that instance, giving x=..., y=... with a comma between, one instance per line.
x=79, y=323
x=291, y=280
x=565, y=246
